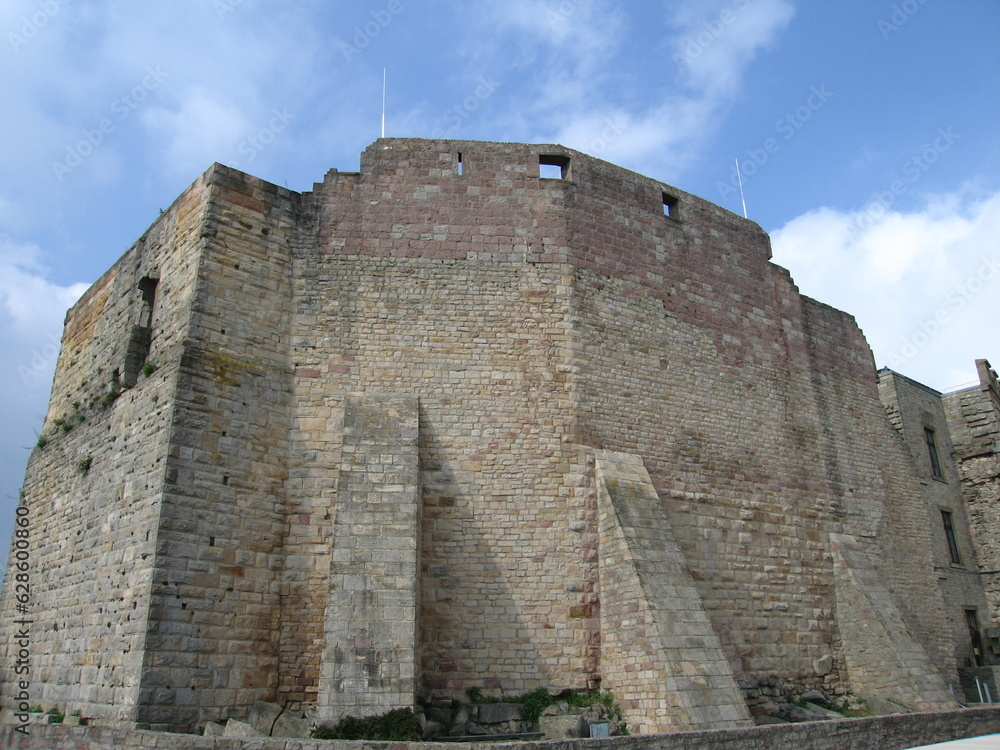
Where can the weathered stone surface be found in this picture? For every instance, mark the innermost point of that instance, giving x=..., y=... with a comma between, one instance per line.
x=214, y=729
x=240, y=729
x=882, y=707
x=562, y=727
x=496, y=713
x=432, y=730
x=290, y=725
x=263, y=715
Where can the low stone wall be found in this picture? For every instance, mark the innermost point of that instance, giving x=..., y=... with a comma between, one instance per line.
x=880, y=733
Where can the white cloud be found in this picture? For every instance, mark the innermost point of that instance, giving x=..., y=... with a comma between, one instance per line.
x=32, y=309
x=573, y=63
x=33, y=306
x=716, y=41
x=200, y=130
x=923, y=285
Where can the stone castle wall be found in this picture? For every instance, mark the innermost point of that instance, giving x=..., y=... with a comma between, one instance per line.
x=531, y=325
x=974, y=422
x=94, y=490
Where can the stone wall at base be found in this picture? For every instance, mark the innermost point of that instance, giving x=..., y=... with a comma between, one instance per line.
x=370, y=660
x=879, y=733
x=660, y=655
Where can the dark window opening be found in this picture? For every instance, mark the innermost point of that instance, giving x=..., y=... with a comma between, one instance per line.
x=459, y=164
x=933, y=453
x=949, y=535
x=552, y=167
x=147, y=288
x=141, y=334
x=972, y=622
x=670, y=206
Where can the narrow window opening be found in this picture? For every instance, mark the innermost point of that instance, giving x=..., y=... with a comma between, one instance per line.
x=975, y=636
x=553, y=167
x=670, y=206
x=933, y=453
x=141, y=334
x=459, y=164
x=147, y=288
x=949, y=535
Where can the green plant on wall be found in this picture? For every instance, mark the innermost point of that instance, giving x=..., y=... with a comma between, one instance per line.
x=83, y=465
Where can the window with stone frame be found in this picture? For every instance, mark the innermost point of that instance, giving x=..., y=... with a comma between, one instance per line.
x=949, y=534
x=932, y=452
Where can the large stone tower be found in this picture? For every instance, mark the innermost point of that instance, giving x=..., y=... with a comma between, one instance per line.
x=446, y=423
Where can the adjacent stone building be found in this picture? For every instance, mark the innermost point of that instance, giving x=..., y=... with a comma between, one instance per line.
x=494, y=416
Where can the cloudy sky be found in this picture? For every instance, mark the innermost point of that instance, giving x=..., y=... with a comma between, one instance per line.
x=867, y=133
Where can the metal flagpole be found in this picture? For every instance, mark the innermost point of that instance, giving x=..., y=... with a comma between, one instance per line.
x=740, y=180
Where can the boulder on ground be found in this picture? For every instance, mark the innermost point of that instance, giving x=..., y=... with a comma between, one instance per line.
x=563, y=727
x=241, y=730
x=262, y=716
x=497, y=713
x=214, y=729
x=292, y=726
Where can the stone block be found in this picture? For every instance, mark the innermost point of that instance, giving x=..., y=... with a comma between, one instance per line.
x=290, y=725
x=497, y=713
x=882, y=707
x=563, y=727
x=214, y=729
x=241, y=730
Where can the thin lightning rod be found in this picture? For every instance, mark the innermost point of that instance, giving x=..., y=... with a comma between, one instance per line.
x=383, y=102
x=740, y=180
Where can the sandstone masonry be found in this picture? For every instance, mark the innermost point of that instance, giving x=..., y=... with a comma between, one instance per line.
x=428, y=428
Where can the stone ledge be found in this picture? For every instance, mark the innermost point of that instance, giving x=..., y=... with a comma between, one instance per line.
x=877, y=733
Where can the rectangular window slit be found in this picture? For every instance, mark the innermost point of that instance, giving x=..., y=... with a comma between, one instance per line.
x=933, y=453
x=949, y=535
x=553, y=167
x=459, y=165
x=670, y=206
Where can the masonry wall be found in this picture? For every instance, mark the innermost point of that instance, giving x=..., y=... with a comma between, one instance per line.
x=94, y=484
x=755, y=411
x=912, y=408
x=480, y=339
x=215, y=617
x=974, y=423
x=534, y=320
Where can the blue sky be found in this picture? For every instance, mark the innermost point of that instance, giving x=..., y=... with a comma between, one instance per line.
x=867, y=131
